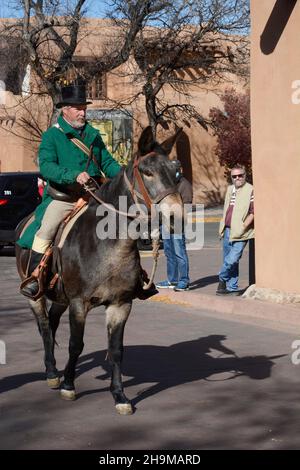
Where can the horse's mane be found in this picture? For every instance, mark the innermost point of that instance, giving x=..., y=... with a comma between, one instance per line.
x=115, y=187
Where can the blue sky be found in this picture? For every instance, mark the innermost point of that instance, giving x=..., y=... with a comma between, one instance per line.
x=96, y=8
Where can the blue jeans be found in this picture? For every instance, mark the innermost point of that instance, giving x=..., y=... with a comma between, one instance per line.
x=232, y=253
x=177, y=258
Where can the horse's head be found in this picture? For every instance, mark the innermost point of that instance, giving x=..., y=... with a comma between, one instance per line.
x=154, y=176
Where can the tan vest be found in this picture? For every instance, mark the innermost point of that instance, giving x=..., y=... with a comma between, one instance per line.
x=239, y=213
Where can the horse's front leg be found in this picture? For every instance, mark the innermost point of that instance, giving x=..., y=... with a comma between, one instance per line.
x=116, y=316
x=40, y=312
x=77, y=314
x=55, y=314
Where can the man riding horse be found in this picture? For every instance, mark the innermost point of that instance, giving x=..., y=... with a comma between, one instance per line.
x=63, y=161
x=94, y=271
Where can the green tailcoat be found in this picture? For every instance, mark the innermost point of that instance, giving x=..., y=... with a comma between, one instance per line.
x=61, y=161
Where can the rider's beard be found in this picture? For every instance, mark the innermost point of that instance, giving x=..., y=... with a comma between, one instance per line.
x=77, y=124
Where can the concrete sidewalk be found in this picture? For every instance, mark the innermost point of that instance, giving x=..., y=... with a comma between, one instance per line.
x=204, y=267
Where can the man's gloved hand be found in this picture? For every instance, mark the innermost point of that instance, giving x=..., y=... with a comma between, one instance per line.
x=83, y=178
x=91, y=185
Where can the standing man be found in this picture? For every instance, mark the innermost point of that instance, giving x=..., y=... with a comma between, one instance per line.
x=174, y=243
x=236, y=228
x=63, y=164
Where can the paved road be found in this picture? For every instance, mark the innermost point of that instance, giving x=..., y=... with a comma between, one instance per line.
x=198, y=380
x=204, y=264
x=211, y=234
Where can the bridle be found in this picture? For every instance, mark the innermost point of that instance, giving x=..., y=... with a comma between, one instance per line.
x=143, y=194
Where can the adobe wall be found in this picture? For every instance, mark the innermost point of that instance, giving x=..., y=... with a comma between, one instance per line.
x=195, y=148
x=275, y=114
x=15, y=154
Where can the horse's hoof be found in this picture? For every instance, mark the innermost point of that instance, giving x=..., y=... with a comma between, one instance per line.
x=124, y=408
x=67, y=394
x=53, y=383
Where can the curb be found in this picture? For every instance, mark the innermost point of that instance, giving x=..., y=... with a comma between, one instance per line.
x=280, y=313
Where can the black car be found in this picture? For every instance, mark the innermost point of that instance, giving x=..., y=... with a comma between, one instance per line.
x=19, y=196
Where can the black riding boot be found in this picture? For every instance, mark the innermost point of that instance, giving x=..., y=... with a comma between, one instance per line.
x=32, y=287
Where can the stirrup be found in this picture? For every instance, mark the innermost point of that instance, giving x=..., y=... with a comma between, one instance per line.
x=38, y=295
x=38, y=275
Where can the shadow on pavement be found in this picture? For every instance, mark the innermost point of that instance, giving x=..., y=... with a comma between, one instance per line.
x=204, y=281
x=15, y=381
x=165, y=366
x=170, y=366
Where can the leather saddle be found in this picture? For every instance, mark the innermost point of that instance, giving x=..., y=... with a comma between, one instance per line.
x=65, y=193
x=55, y=272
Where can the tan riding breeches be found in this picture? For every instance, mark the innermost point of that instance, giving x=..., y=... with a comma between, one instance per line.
x=55, y=213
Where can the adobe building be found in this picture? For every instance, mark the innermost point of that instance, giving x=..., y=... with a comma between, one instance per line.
x=119, y=131
x=275, y=115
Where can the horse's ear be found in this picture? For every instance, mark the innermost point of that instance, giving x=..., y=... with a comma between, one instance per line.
x=168, y=144
x=146, y=141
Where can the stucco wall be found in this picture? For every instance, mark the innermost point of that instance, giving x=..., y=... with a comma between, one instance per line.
x=15, y=154
x=195, y=148
x=275, y=65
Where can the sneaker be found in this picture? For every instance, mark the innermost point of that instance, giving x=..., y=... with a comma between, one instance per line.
x=228, y=292
x=166, y=285
x=221, y=287
x=181, y=286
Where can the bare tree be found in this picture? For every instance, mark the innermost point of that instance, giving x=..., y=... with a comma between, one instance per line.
x=50, y=30
x=187, y=44
x=175, y=45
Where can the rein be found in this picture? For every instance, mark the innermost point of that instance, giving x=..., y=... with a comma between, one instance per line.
x=155, y=242
x=91, y=191
x=144, y=195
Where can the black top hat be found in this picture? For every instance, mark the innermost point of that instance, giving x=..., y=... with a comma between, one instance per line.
x=72, y=95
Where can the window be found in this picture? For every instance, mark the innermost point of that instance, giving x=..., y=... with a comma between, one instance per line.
x=96, y=81
x=96, y=87
x=12, y=65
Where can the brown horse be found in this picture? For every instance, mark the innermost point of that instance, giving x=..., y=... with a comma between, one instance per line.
x=104, y=271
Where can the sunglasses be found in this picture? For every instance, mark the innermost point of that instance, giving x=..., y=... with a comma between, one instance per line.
x=241, y=175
